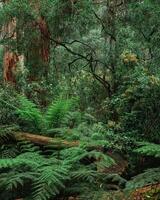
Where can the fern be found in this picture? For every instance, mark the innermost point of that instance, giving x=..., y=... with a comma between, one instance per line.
x=46, y=175
x=30, y=114
x=8, y=151
x=6, y=132
x=73, y=154
x=8, y=104
x=49, y=170
x=84, y=174
x=150, y=176
x=72, y=119
x=77, y=153
x=38, y=121
x=102, y=160
x=49, y=182
x=15, y=179
x=57, y=111
x=148, y=149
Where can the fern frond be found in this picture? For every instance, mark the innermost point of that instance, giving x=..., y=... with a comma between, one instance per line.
x=150, y=176
x=73, y=154
x=49, y=183
x=12, y=180
x=72, y=119
x=57, y=111
x=8, y=151
x=26, y=146
x=148, y=149
x=30, y=114
x=102, y=160
x=27, y=159
x=84, y=174
x=47, y=175
x=6, y=132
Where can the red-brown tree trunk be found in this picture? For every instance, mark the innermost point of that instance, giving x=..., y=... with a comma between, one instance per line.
x=9, y=66
x=10, y=58
x=38, y=51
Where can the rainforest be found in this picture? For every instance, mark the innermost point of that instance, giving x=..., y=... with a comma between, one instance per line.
x=79, y=100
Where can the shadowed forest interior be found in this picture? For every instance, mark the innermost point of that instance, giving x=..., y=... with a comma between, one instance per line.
x=79, y=100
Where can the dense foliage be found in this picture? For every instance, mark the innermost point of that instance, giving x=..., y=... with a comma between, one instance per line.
x=80, y=113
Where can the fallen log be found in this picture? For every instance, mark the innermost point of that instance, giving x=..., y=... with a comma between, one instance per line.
x=44, y=140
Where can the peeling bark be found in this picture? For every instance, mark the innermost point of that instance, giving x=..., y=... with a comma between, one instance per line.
x=10, y=58
x=9, y=66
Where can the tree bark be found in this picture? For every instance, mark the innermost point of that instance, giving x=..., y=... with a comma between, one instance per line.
x=36, y=55
x=10, y=58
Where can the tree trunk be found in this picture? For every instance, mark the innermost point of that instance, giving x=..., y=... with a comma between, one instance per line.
x=36, y=55
x=38, y=52
x=10, y=58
